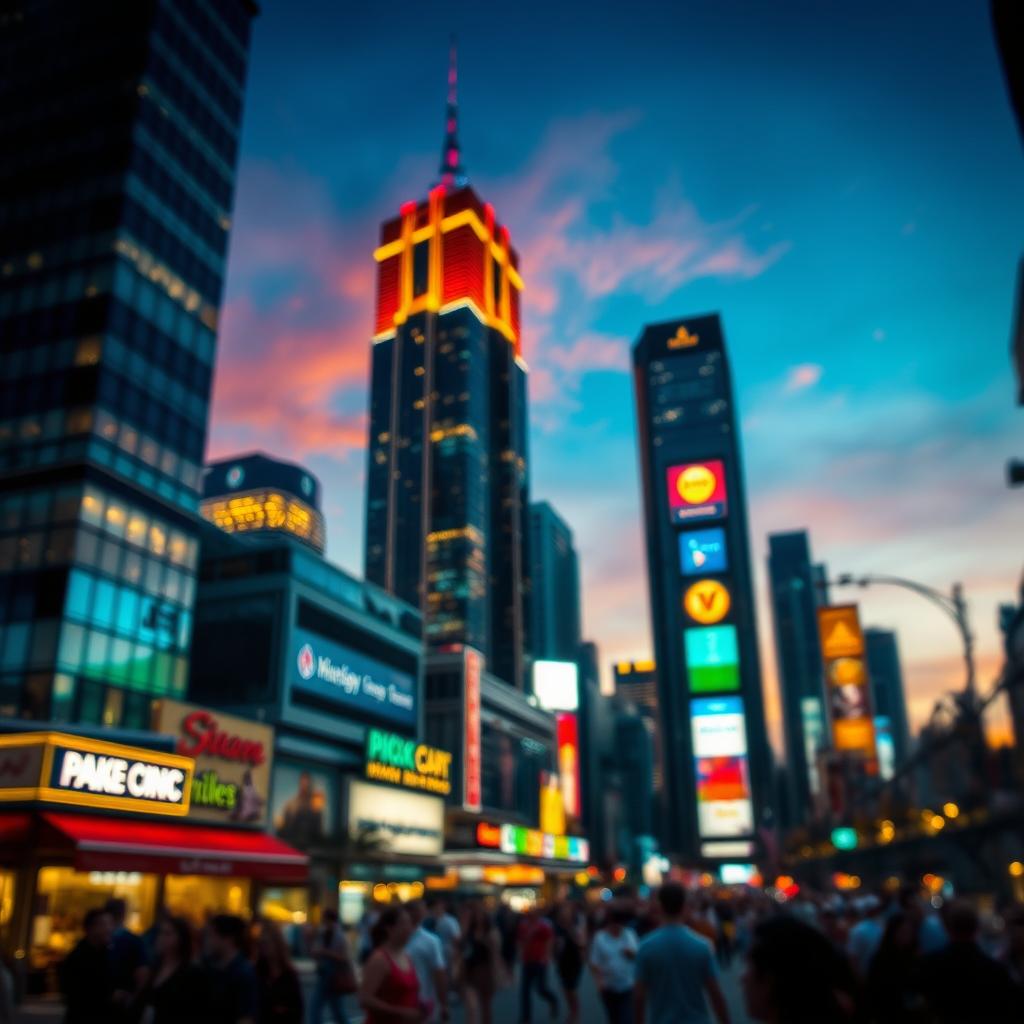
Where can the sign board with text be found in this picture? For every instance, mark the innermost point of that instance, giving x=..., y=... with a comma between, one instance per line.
x=405, y=762
x=846, y=680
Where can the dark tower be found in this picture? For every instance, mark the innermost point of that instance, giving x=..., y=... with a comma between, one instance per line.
x=716, y=757
x=121, y=128
x=447, y=491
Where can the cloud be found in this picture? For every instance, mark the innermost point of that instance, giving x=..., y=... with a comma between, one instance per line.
x=801, y=377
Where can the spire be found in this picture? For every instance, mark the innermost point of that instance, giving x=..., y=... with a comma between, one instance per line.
x=453, y=174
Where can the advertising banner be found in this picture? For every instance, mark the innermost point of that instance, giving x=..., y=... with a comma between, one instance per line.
x=712, y=659
x=404, y=762
x=351, y=679
x=718, y=726
x=233, y=759
x=724, y=807
x=846, y=680
x=703, y=551
x=556, y=685
x=304, y=801
x=404, y=822
x=696, y=490
x=707, y=601
x=568, y=737
x=472, y=760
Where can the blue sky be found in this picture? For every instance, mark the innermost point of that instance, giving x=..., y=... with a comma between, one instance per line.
x=842, y=185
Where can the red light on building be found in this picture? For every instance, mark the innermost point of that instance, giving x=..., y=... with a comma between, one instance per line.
x=488, y=835
x=567, y=733
x=472, y=748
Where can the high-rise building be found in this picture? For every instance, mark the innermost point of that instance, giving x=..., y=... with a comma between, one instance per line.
x=554, y=586
x=264, y=498
x=447, y=494
x=121, y=131
x=795, y=598
x=716, y=757
x=883, y=659
x=637, y=682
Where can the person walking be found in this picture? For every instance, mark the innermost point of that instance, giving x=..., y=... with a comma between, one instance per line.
x=676, y=975
x=335, y=974
x=176, y=991
x=570, y=944
x=480, y=963
x=233, y=987
x=390, y=992
x=795, y=975
x=427, y=957
x=613, y=961
x=280, y=993
x=86, y=975
x=894, y=993
x=128, y=962
x=537, y=938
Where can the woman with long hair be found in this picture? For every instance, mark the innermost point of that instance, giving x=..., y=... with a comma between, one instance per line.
x=176, y=992
x=794, y=975
x=280, y=990
x=480, y=962
x=390, y=990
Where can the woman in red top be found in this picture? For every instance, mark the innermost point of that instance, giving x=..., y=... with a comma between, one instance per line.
x=390, y=992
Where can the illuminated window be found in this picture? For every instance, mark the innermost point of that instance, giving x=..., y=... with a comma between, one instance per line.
x=157, y=539
x=115, y=520
x=79, y=421
x=88, y=352
x=198, y=897
x=420, y=268
x=136, y=531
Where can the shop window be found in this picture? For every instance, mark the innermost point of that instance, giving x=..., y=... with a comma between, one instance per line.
x=7, y=880
x=285, y=906
x=63, y=896
x=197, y=897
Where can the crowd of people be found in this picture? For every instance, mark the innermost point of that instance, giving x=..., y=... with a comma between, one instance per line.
x=874, y=959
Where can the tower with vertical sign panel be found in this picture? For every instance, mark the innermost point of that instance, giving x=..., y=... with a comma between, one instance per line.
x=714, y=744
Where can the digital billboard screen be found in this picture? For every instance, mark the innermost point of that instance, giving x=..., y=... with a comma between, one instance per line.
x=724, y=807
x=712, y=659
x=707, y=601
x=696, y=490
x=556, y=685
x=718, y=726
x=703, y=551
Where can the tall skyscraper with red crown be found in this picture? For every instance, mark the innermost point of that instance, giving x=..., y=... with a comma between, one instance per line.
x=447, y=481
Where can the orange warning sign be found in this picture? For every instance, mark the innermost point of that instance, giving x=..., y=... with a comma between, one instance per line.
x=839, y=629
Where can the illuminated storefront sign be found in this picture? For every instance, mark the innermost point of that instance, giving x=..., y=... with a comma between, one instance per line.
x=568, y=736
x=472, y=794
x=556, y=685
x=696, y=490
x=404, y=762
x=703, y=551
x=707, y=601
x=712, y=659
x=846, y=680
x=404, y=822
x=232, y=756
x=552, y=804
x=718, y=726
x=58, y=768
x=355, y=680
x=531, y=842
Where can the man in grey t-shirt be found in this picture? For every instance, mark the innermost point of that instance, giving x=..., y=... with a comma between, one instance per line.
x=676, y=976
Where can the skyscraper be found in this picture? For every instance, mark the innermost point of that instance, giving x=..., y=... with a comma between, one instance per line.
x=447, y=488
x=637, y=682
x=795, y=597
x=121, y=128
x=554, y=586
x=886, y=675
x=717, y=765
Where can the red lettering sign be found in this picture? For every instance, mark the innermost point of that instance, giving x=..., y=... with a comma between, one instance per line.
x=472, y=761
x=200, y=735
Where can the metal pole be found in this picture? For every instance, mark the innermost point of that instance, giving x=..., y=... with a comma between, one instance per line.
x=960, y=613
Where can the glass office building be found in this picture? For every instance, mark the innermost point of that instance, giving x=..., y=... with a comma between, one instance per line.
x=121, y=126
x=717, y=772
x=554, y=586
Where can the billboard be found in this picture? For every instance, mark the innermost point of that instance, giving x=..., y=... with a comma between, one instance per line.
x=404, y=822
x=696, y=490
x=233, y=761
x=712, y=659
x=846, y=680
x=404, y=762
x=472, y=751
x=556, y=685
x=886, y=746
x=707, y=601
x=724, y=807
x=568, y=736
x=303, y=804
x=351, y=679
x=702, y=551
x=718, y=727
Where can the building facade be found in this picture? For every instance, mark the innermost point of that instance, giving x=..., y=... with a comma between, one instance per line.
x=637, y=682
x=882, y=653
x=795, y=597
x=714, y=744
x=264, y=497
x=554, y=586
x=447, y=479
x=121, y=126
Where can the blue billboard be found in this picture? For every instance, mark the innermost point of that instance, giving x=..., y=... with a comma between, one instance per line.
x=703, y=551
x=351, y=679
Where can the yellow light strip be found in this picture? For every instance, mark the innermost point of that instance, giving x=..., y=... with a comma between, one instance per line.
x=463, y=217
x=385, y=252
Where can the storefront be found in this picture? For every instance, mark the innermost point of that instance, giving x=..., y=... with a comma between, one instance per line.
x=85, y=820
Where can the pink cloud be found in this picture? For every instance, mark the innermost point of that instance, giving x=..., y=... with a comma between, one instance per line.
x=804, y=376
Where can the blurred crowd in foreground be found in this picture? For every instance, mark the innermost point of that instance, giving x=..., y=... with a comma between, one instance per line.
x=655, y=959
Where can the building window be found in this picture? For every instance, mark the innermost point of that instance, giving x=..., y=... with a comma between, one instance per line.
x=420, y=268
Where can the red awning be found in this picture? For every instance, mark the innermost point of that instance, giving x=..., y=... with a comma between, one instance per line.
x=112, y=844
x=15, y=830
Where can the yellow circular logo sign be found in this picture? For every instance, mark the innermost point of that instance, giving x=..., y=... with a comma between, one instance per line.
x=707, y=602
x=696, y=484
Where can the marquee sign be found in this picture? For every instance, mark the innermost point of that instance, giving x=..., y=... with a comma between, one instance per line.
x=63, y=769
x=404, y=762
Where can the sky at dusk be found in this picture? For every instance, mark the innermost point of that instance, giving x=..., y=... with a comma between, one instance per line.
x=842, y=183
